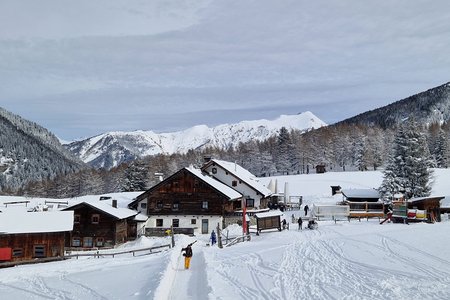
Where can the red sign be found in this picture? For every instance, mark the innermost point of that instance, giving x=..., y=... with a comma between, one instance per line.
x=5, y=254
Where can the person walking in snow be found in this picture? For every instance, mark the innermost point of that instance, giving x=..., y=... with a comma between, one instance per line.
x=284, y=224
x=306, y=208
x=213, y=238
x=187, y=255
x=300, y=223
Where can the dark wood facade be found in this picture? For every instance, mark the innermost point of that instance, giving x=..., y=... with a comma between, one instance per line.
x=29, y=246
x=96, y=228
x=269, y=222
x=432, y=206
x=183, y=193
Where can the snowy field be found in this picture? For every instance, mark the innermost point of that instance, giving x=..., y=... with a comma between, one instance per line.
x=346, y=260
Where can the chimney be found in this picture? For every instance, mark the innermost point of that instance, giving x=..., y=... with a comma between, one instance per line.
x=114, y=203
x=206, y=159
x=160, y=176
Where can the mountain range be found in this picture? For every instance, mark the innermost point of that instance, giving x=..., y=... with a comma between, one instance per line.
x=113, y=148
x=29, y=152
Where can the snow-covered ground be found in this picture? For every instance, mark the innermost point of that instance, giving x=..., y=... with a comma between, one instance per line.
x=346, y=260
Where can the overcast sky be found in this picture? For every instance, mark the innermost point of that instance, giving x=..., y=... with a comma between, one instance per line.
x=81, y=68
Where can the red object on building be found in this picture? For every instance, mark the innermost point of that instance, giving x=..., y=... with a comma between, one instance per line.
x=5, y=254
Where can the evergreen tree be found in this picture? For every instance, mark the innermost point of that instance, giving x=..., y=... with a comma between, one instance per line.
x=442, y=150
x=408, y=166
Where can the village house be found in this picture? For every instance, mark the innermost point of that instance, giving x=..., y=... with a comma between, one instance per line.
x=100, y=224
x=256, y=195
x=39, y=236
x=190, y=201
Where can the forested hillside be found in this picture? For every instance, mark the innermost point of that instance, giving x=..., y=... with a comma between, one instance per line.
x=29, y=152
x=431, y=106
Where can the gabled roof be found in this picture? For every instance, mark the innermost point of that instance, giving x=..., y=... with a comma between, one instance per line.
x=223, y=188
x=15, y=222
x=242, y=174
x=119, y=213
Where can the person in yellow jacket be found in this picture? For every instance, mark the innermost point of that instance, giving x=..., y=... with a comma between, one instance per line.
x=187, y=255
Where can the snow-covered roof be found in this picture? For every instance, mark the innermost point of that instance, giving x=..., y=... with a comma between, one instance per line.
x=15, y=222
x=140, y=218
x=119, y=213
x=243, y=175
x=272, y=213
x=418, y=199
x=224, y=189
x=361, y=193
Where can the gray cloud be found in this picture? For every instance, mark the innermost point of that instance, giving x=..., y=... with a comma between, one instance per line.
x=165, y=65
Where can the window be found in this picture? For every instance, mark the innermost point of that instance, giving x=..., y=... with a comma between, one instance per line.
x=100, y=242
x=159, y=204
x=143, y=205
x=234, y=183
x=76, y=219
x=175, y=222
x=39, y=250
x=205, y=205
x=76, y=242
x=18, y=252
x=176, y=205
x=95, y=218
x=250, y=202
x=159, y=222
x=193, y=221
x=214, y=170
x=88, y=242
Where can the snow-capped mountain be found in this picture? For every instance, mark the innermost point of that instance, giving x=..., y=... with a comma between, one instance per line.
x=111, y=149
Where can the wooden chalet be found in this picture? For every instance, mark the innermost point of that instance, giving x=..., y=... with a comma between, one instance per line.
x=257, y=196
x=190, y=201
x=99, y=224
x=33, y=236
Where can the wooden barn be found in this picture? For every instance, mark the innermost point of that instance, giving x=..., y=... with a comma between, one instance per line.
x=431, y=205
x=37, y=236
x=99, y=224
x=190, y=201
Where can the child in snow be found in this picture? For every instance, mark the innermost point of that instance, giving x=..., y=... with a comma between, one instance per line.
x=213, y=238
x=187, y=255
x=300, y=223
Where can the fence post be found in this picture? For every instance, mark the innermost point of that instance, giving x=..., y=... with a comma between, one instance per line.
x=219, y=236
x=173, y=238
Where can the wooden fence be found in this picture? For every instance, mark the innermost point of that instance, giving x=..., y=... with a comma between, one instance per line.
x=98, y=254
